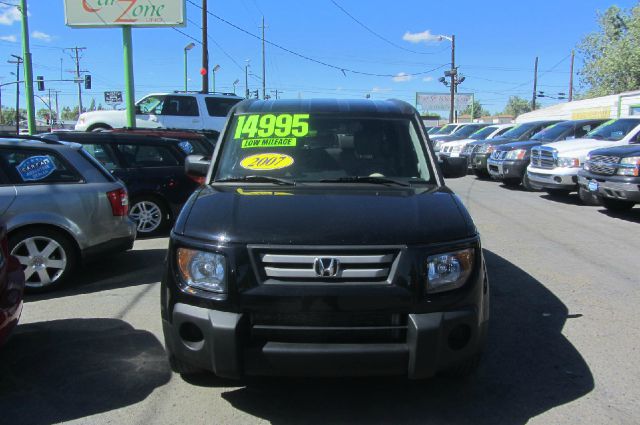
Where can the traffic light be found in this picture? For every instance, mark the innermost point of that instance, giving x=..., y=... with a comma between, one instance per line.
x=40, y=81
x=87, y=82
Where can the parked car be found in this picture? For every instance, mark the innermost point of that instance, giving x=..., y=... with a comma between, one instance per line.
x=11, y=288
x=613, y=175
x=554, y=167
x=478, y=152
x=509, y=162
x=152, y=168
x=461, y=133
x=61, y=207
x=433, y=130
x=193, y=137
x=445, y=130
x=177, y=110
x=334, y=248
x=454, y=147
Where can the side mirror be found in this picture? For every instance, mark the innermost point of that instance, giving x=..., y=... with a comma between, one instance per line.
x=453, y=168
x=197, y=166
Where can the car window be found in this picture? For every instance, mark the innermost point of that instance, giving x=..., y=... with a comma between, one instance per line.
x=483, y=133
x=33, y=166
x=467, y=130
x=502, y=131
x=614, y=130
x=554, y=132
x=184, y=106
x=103, y=154
x=311, y=148
x=195, y=147
x=219, y=107
x=139, y=155
x=584, y=129
x=151, y=105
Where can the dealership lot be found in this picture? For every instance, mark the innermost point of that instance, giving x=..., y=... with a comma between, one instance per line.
x=564, y=331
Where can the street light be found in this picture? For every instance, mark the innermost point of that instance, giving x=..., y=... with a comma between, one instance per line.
x=213, y=77
x=18, y=60
x=234, y=85
x=186, y=49
x=452, y=73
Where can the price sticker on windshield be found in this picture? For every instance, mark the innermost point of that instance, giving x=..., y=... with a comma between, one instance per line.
x=272, y=126
x=266, y=162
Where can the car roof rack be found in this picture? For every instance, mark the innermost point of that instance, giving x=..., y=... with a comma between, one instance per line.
x=209, y=92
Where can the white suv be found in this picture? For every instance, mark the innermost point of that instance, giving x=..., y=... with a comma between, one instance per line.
x=554, y=167
x=179, y=110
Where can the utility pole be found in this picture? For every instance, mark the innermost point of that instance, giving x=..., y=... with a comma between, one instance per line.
x=264, y=77
x=205, y=49
x=18, y=61
x=28, y=70
x=50, y=112
x=535, y=85
x=453, y=78
x=246, y=80
x=57, y=108
x=571, y=77
x=75, y=55
x=275, y=92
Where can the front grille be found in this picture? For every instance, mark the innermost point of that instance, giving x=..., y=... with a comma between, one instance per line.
x=542, y=157
x=499, y=155
x=324, y=265
x=603, y=164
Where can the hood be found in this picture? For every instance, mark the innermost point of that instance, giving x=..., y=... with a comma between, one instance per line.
x=621, y=151
x=458, y=142
x=581, y=147
x=527, y=144
x=321, y=216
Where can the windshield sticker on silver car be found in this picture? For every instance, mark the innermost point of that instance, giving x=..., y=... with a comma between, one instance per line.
x=36, y=168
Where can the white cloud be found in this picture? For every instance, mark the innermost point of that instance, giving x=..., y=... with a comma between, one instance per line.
x=402, y=77
x=427, y=79
x=380, y=89
x=417, y=37
x=9, y=15
x=12, y=38
x=39, y=35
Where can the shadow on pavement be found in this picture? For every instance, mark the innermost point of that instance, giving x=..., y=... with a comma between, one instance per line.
x=131, y=268
x=633, y=215
x=529, y=368
x=571, y=199
x=69, y=369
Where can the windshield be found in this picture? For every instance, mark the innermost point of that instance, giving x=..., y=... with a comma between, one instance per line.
x=312, y=148
x=467, y=130
x=613, y=130
x=483, y=133
x=553, y=132
x=517, y=131
x=433, y=130
x=447, y=129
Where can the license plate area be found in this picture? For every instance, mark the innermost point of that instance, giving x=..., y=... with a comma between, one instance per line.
x=592, y=186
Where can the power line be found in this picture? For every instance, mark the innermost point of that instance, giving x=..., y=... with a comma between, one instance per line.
x=386, y=40
x=342, y=69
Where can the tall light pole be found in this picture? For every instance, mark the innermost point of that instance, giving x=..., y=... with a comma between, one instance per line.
x=186, y=49
x=18, y=60
x=213, y=77
x=246, y=79
x=235, y=83
x=452, y=73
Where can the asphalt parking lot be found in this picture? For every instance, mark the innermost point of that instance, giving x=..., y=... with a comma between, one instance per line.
x=563, y=340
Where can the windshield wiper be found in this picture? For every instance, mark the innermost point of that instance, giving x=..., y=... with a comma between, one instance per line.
x=365, y=179
x=257, y=179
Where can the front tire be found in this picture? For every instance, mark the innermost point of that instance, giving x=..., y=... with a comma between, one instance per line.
x=526, y=183
x=150, y=215
x=557, y=193
x=587, y=197
x=481, y=174
x=99, y=127
x=48, y=257
x=617, y=205
x=512, y=182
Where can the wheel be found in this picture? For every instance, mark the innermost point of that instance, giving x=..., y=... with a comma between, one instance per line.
x=481, y=174
x=150, y=214
x=512, y=182
x=99, y=127
x=526, y=183
x=178, y=366
x=557, y=192
x=587, y=197
x=617, y=204
x=47, y=256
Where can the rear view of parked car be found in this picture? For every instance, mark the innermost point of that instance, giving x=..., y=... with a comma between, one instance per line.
x=152, y=168
x=11, y=288
x=60, y=207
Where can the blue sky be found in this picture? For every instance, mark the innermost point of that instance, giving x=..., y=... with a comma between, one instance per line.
x=496, y=43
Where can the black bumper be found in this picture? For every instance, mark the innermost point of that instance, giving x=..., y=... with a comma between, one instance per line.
x=614, y=187
x=479, y=161
x=508, y=169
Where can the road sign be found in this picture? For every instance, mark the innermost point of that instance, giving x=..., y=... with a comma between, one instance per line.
x=118, y=13
x=442, y=101
x=113, y=97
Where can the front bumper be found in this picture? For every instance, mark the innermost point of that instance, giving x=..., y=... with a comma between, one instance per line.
x=507, y=169
x=614, y=187
x=556, y=178
x=479, y=161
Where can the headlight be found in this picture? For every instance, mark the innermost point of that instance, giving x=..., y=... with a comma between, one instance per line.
x=629, y=166
x=456, y=149
x=203, y=270
x=449, y=271
x=569, y=162
x=516, y=154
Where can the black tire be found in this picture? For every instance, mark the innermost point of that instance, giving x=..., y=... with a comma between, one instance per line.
x=178, y=366
x=64, y=255
x=526, y=183
x=481, y=174
x=587, y=197
x=617, y=205
x=558, y=192
x=162, y=214
x=512, y=182
x=99, y=127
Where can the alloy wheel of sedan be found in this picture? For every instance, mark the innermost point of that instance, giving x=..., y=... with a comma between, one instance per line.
x=44, y=260
x=148, y=215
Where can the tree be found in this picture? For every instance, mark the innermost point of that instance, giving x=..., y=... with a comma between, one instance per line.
x=611, y=55
x=69, y=115
x=92, y=105
x=478, y=110
x=43, y=113
x=516, y=106
x=100, y=107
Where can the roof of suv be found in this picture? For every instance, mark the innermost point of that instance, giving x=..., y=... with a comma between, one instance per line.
x=106, y=137
x=342, y=106
x=36, y=144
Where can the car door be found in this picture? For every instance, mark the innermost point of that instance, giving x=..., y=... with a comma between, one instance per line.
x=7, y=192
x=181, y=112
x=148, y=111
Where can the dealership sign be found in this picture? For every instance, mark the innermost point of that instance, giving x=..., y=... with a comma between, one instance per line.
x=118, y=13
x=442, y=101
